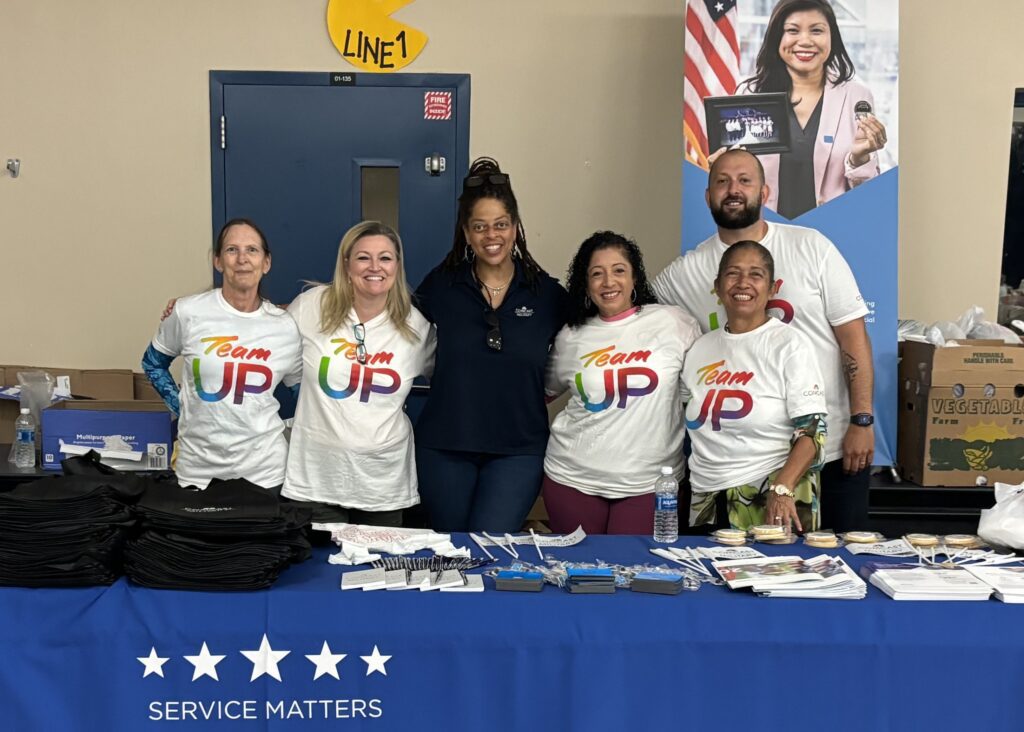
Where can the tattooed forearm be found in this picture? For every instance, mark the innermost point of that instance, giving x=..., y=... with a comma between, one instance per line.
x=849, y=367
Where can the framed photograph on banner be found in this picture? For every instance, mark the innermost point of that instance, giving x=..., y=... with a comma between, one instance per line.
x=758, y=122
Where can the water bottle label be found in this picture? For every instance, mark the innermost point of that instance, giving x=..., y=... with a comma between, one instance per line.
x=26, y=436
x=666, y=503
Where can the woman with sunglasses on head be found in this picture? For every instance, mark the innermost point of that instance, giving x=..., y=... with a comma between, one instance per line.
x=481, y=438
x=237, y=347
x=351, y=455
x=620, y=357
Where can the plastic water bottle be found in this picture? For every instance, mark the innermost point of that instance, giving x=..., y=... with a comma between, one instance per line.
x=25, y=440
x=666, y=508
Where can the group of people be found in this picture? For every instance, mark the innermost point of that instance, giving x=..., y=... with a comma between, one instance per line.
x=766, y=401
x=748, y=127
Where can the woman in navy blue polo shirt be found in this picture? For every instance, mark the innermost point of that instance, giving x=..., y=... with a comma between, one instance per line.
x=481, y=438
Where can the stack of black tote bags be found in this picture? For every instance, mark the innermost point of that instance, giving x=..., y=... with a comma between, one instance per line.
x=92, y=524
x=232, y=536
x=65, y=531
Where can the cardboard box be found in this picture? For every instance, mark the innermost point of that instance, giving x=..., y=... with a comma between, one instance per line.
x=142, y=389
x=961, y=413
x=86, y=383
x=129, y=435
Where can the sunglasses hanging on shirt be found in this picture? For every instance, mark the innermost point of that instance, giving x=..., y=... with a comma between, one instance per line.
x=494, y=334
x=359, y=331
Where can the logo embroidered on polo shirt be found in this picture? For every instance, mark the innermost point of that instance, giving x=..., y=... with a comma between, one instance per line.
x=524, y=312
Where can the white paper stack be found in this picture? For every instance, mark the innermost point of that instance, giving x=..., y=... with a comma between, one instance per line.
x=819, y=577
x=1008, y=582
x=914, y=582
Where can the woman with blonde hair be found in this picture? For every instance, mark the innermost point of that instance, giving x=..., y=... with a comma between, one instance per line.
x=351, y=455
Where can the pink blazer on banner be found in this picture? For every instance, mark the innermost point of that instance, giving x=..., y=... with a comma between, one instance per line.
x=833, y=175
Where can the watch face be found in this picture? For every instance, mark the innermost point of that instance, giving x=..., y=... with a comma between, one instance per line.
x=862, y=420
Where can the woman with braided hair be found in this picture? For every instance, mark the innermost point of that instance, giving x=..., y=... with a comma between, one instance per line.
x=481, y=438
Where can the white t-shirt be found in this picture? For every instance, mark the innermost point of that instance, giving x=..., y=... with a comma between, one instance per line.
x=743, y=391
x=817, y=292
x=351, y=442
x=623, y=421
x=229, y=425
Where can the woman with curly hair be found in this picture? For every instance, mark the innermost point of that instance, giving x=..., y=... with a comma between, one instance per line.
x=620, y=357
x=480, y=439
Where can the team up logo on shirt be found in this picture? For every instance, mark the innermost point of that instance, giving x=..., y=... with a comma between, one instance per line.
x=616, y=380
x=718, y=399
x=245, y=376
x=777, y=308
x=368, y=378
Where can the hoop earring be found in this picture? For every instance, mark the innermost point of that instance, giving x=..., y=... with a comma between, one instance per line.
x=586, y=302
x=468, y=254
x=632, y=297
x=516, y=251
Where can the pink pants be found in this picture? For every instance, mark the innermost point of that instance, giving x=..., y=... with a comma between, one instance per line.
x=568, y=508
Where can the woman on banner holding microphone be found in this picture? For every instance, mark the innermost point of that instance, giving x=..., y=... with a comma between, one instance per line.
x=834, y=135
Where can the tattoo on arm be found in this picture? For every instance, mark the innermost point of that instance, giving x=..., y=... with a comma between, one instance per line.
x=849, y=367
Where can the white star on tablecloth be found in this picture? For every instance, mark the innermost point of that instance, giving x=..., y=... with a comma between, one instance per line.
x=264, y=660
x=326, y=662
x=154, y=664
x=205, y=663
x=375, y=662
x=719, y=7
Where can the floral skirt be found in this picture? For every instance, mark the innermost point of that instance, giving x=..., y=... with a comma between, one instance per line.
x=746, y=503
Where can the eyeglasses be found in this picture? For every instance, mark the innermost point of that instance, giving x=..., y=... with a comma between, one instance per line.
x=494, y=334
x=359, y=331
x=475, y=181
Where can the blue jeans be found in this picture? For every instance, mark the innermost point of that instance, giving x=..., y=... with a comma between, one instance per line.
x=472, y=491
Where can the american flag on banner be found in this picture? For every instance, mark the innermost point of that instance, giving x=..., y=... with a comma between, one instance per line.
x=711, y=67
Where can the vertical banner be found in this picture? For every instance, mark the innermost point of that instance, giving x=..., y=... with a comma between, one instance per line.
x=750, y=71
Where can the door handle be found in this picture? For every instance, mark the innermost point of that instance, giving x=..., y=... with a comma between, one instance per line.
x=434, y=165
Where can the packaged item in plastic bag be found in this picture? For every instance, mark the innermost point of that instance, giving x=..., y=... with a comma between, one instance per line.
x=911, y=330
x=1003, y=524
x=36, y=391
x=974, y=324
x=939, y=332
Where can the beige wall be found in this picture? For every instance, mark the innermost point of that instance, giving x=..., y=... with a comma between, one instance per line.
x=105, y=102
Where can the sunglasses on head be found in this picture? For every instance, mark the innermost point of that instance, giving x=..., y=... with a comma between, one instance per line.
x=359, y=331
x=475, y=181
x=494, y=332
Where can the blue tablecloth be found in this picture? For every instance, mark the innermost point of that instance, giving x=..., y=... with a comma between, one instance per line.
x=547, y=661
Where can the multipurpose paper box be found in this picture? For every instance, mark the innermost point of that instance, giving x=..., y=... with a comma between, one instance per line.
x=88, y=383
x=961, y=413
x=128, y=435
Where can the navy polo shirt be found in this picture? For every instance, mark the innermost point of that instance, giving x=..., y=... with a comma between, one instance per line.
x=482, y=400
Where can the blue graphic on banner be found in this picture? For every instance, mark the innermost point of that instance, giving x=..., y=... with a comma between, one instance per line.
x=863, y=224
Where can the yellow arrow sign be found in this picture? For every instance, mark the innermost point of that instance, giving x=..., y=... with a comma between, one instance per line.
x=368, y=38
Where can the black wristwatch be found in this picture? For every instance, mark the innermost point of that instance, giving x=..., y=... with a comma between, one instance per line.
x=862, y=420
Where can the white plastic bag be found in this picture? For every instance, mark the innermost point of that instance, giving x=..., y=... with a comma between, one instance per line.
x=1003, y=524
x=973, y=323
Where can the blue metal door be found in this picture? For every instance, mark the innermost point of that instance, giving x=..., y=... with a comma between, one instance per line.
x=289, y=152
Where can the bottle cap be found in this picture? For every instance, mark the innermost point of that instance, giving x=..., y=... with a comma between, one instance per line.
x=25, y=410
x=666, y=470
